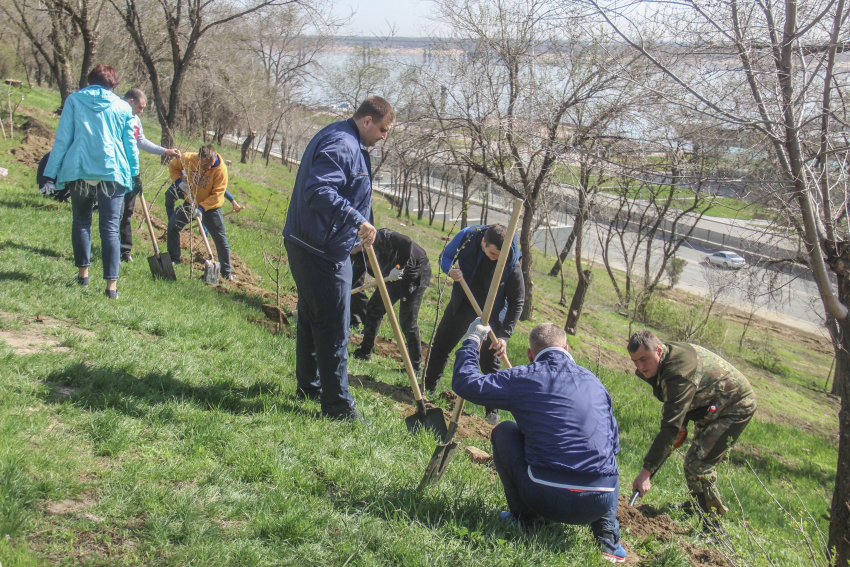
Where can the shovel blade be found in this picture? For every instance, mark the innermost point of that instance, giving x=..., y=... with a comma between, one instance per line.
x=212, y=272
x=432, y=421
x=438, y=464
x=162, y=267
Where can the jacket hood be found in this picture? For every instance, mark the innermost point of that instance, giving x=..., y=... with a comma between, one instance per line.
x=96, y=98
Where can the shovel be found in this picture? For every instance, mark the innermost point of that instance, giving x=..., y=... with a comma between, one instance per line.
x=431, y=419
x=212, y=269
x=161, y=266
x=444, y=453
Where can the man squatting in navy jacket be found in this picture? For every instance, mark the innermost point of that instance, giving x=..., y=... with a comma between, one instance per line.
x=472, y=255
x=328, y=213
x=558, y=460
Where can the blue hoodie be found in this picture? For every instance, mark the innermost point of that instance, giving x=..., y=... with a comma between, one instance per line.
x=95, y=140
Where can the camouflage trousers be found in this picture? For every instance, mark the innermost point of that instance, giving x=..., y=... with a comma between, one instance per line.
x=709, y=446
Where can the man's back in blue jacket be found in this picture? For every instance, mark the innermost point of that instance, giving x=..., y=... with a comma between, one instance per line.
x=563, y=410
x=332, y=193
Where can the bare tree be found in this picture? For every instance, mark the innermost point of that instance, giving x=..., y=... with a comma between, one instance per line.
x=186, y=23
x=774, y=74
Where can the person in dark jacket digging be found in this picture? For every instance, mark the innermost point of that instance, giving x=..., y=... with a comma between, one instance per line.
x=558, y=461
x=409, y=269
x=695, y=385
x=327, y=217
x=472, y=255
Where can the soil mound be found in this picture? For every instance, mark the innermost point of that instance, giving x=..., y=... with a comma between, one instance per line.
x=645, y=521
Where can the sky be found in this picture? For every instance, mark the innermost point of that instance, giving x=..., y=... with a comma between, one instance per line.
x=375, y=17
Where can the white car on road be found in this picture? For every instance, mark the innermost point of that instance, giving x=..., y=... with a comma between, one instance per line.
x=726, y=259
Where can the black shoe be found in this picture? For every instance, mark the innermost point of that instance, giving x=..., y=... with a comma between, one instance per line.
x=83, y=281
x=361, y=354
x=349, y=417
x=111, y=293
x=311, y=395
x=491, y=416
x=126, y=257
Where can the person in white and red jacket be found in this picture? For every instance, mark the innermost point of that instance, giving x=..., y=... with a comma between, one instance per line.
x=137, y=101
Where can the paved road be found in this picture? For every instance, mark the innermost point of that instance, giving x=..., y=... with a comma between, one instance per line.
x=797, y=303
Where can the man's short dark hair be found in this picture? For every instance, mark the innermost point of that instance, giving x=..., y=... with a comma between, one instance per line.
x=103, y=76
x=646, y=339
x=495, y=235
x=136, y=95
x=378, y=108
x=207, y=152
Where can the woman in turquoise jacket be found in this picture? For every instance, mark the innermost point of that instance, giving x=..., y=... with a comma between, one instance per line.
x=95, y=155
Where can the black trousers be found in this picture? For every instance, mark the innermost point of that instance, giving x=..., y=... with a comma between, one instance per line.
x=410, y=295
x=125, y=229
x=450, y=331
x=214, y=221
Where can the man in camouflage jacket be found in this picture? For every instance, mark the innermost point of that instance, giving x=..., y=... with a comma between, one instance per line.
x=699, y=386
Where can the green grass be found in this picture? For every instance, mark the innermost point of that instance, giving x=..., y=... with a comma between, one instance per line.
x=171, y=436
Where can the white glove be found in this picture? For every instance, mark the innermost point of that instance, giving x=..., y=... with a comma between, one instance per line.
x=196, y=214
x=183, y=186
x=49, y=188
x=395, y=274
x=477, y=331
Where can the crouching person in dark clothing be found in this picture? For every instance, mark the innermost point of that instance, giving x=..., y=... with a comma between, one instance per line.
x=409, y=270
x=558, y=460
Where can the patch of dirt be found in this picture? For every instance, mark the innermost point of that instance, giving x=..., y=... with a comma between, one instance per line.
x=35, y=336
x=70, y=506
x=645, y=521
x=37, y=142
x=246, y=281
x=386, y=347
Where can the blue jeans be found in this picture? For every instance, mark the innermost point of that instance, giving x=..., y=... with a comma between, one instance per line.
x=324, y=311
x=213, y=222
x=110, y=201
x=528, y=500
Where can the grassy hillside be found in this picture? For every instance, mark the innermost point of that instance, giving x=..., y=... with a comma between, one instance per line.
x=162, y=429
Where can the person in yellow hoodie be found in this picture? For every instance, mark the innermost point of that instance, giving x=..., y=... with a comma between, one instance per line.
x=202, y=178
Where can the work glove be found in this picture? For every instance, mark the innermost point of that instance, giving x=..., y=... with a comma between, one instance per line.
x=198, y=213
x=395, y=274
x=183, y=186
x=49, y=187
x=477, y=331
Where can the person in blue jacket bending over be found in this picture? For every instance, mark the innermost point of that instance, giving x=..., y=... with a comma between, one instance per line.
x=328, y=215
x=558, y=460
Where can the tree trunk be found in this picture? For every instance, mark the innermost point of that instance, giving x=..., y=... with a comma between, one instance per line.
x=525, y=244
x=89, y=50
x=577, y=303
x=839, y=524
x=246, y=146
x=464, y=203
x=568, y=245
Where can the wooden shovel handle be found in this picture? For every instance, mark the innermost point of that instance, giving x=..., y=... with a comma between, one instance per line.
x=150, y=226
x=206, y=241
x=399, y=338
x=493, y=338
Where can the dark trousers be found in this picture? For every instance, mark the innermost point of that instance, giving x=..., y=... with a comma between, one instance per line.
x=126, y=230
x=410, y=295
x=172, y=195
x=528, y=500
x=450, y=331
x=321, y=350
x=213, y=221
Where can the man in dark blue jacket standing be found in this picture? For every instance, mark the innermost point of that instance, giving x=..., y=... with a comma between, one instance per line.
x=558, y=460
x=472, y=255
x=328, y=213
